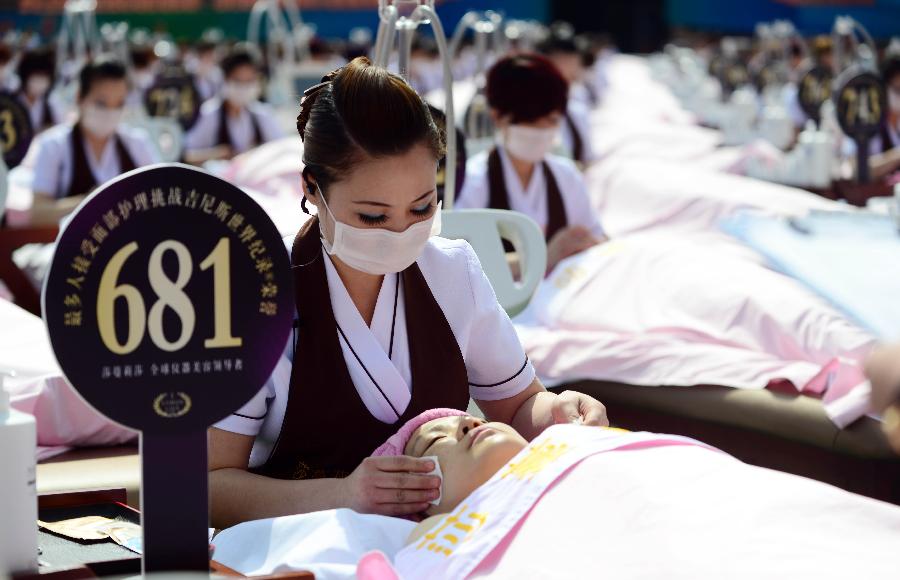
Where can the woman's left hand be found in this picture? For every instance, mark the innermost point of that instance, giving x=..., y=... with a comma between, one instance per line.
x=574, y=407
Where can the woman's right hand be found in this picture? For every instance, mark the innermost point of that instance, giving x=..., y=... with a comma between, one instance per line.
x=568, y=242
x=390, y=486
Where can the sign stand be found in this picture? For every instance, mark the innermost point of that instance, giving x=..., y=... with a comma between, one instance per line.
x=168, y=303
x=180, y=542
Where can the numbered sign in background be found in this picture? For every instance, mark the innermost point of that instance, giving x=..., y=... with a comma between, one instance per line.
x=861, y=103
x=16, y=131
x=174, y=96
x=169, y=299
x=813, y=90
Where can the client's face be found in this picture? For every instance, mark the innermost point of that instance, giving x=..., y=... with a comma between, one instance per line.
x=469, y=450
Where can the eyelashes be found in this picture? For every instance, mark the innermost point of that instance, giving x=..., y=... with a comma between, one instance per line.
x=374, y=220
x=431, y=443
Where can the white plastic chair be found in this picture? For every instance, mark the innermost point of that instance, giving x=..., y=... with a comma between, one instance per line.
x=167, y=136
x=485, y=230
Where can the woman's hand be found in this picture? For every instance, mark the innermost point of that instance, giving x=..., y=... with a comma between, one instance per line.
x=574, y=407
x=390, y=486
x=883, y=370
x=568, y=242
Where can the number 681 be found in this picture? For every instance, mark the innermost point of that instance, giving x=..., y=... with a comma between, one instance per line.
x=170, y=294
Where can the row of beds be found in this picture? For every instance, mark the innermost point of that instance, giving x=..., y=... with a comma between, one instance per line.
x=773, y=428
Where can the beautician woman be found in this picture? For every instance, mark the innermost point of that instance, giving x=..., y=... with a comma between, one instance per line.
x=391, y=321
x=528, y=99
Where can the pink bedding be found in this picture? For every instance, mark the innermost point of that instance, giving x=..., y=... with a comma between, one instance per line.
x=633, y=194
x=63, y=419
x=683, y=512
x=686, y=308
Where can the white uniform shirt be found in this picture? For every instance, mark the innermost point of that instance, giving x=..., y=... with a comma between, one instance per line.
x=532, y=200
x=209, y=85
x=53, y=163
x=495, y=362
x=580, y=113
x=204, y=134
x=36, y=112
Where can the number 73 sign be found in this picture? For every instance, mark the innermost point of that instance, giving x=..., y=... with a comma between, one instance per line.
x=168, y=303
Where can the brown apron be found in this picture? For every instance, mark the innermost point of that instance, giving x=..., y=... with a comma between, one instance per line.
x=499, y=196
x=327, y=429
x=83, y=180
x=224, y=134
x=577, y=141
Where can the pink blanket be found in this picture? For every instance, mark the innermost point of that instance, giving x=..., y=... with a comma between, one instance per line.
x=64, y=420
x=688, y=512
x=687, y=308
x=633, y=194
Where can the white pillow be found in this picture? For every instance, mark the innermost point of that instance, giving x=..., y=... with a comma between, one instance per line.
x=328, y=543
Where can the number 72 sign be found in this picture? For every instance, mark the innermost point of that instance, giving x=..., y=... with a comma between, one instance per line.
x=168, y=303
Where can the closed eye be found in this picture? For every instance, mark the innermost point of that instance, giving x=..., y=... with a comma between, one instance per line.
x=432, y=442
x=372, y=220
x=423, y=210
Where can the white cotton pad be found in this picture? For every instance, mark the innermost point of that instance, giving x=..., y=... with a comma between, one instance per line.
x=436, y=471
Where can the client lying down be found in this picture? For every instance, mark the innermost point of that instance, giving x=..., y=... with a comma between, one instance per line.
x=588, y=501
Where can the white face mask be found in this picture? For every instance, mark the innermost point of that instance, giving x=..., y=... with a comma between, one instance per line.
x=100, y=122
x=529, y=143
x=37, y=86
x=378, y=251
x=240, y=94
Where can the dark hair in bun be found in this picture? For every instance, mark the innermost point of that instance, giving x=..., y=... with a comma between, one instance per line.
x=359, y=112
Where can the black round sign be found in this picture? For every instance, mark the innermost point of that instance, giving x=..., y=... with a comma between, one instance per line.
x=766, y=75
x=731, y=73
x=174, y=96
x=16, y=131
x=861, y=102
x=813, y=90
x=441, y=121
x=169, y=299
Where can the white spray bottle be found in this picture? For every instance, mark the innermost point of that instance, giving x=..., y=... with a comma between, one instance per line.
x=18, y=492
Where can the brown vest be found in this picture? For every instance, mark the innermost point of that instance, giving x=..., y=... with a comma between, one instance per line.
x=499, y=196
x=577, y=141
x=83, y=180
x=223, y=136
x=327, y=430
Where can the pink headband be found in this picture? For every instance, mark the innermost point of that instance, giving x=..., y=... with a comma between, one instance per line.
x=397, y=442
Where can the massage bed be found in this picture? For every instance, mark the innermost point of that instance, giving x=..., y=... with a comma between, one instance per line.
x=651, y=506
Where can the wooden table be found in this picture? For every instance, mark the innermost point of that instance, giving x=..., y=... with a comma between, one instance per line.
x=129, y=565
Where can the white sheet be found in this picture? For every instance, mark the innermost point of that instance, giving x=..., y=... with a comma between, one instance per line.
x=328, y=543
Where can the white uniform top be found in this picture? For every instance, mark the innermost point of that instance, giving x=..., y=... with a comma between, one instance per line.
x=580, y=113
x=494, y=359
x=36, y=112
x=53, y=163
x=208, y=85
x=532, y=201
x=204, y=134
